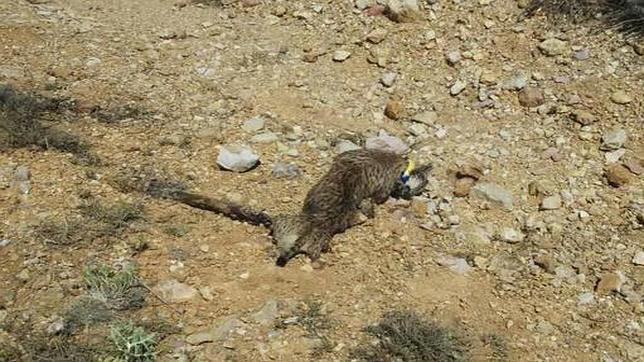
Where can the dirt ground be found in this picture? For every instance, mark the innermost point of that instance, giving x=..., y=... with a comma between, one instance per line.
x=551, y=115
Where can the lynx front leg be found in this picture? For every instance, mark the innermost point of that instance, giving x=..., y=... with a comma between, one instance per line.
x=368, y=208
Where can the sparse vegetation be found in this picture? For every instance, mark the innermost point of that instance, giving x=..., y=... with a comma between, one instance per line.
x=317, y=324
x=118, y=289
x=177, y=230
x=118, y=113
x=25, y=121
x=406, y=336
x=626, y=16
x=112, y=218
x=98, y=220
x=133, y=343
x=87, y=311
x=497, y=345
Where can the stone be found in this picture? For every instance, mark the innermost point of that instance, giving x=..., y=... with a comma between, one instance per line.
x=553, y=47
x=419, y=206
x=582, y=117
x=453, y=57
x=518, y=81
x=457, y=87
x=582, y=54
x=638, y=259
x=610, y=282
x=57, y=326
x=341, y=55
x=469, y=171
x=376, y=36
x=493, y=193
x=455, y=264
x=363, y=4
x=22, y=173
x=490, y=77
x=551, y=202
x=216, y=334
x=546, y=263
x=585, y=298
x=462, y=186
x=285, y=170
x=264, y=137
x=253, y=125
x=237, y=158
x=617, y=175
x=621, y=97
x=612, y=157
x=386, y=142
x=402, y=11
x=511, y=236
x=388, y=79
x=427, y=117
x=531, y=97
x=613, y=139
x=173, y=291
x=344, y=146
x=394, y=109
x=268, y=313
x=634, y=165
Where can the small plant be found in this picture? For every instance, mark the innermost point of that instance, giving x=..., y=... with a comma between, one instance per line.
x=406, y=336
x=177, y=230
x=85, y=312
x=119, y=289
x=112, y=218
x=133, y=343
x=498, y=346
x=61, y=233
x=316, y=323
x=25, y=122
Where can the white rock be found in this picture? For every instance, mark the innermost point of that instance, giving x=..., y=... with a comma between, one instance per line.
x=613, y=139
x=173, y=291
x=427, y=117
x=344, y=146
x=457, y=265
x=638, y=259
x=341, y=55
x=511, y=236
x=493, y=192
x=265, y=137
x=551, y=202
x=254, y=124
x=237, y=158
x=386, y=142
x=388, y=79
x=457, y=87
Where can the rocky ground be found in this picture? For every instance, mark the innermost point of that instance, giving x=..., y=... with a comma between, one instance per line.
x=527, y=243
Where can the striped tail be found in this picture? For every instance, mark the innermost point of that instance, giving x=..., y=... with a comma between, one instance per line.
x=226, y=208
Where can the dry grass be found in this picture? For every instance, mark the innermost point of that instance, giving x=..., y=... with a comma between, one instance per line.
x=406, y=336
x=626, y=16
x=98, y=219
x=28, y=121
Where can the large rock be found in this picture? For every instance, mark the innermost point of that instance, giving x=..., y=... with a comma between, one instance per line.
x=385, y=142
x=494, y=193
x=613, y=139
x=173, y=291
x=216, y=334
x=553, y=47
x=237, y=158
x=402, y=11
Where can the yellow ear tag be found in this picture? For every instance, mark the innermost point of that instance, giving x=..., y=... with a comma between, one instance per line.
x=410, y=167
x=407, y=173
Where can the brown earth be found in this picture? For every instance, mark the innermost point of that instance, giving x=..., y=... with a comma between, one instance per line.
x=160, y=84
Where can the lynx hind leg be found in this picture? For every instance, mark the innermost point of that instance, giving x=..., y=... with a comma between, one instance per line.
x=367, y=208
x=315, y=243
